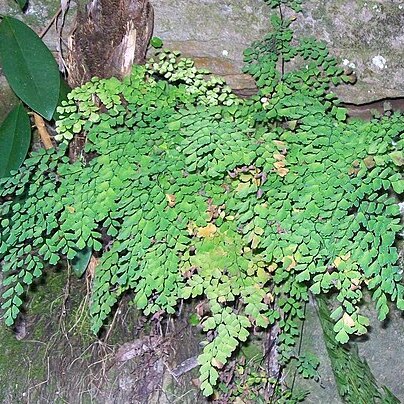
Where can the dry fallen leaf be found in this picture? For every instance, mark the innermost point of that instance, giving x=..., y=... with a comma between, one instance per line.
x=196, y=382
x=353, y=171
x=214, y=211
x=92, y=265
x=279, y=164
x=355, y=284
x=269, y=298
x=356, y=281
x=207, y=231
x=369, y=162
x=200, y=309
x=272, y=268
x=280, y=168
x=255, y=241
x=282, y=172
x=338, y=260
x=191, y=228
x=171, y=200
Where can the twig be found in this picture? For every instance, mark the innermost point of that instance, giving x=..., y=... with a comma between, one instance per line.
x=50, y=23
x=178, y=400
x=81, y=310
x=35, y=341
x=80, y=356
x=118, y=311
x=43, y=132
x=170, y=371
x=62, y=318
x=99, y=361
x=40, y=384
x=184, y=367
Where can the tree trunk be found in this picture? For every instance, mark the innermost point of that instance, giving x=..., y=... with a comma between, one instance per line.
x=110, y=36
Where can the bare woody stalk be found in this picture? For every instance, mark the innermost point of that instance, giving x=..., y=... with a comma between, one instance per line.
x=43, y=132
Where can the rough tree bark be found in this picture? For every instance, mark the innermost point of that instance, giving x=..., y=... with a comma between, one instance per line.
x=109, y=37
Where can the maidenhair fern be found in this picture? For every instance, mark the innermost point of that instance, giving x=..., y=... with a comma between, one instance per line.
x=185, y=190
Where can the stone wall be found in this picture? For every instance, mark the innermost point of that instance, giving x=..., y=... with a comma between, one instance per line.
x=366, y=35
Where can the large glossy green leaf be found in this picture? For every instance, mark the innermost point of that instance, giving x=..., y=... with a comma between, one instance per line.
x=29, y=67
x=15, y=138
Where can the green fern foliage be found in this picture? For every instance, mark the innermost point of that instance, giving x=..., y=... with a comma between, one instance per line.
x=293, y=4
x=185, y=190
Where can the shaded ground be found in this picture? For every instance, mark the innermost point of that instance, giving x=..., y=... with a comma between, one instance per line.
x=52, y=357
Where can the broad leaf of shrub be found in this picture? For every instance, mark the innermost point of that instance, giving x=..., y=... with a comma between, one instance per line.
x=15, y=138
x=29, y=67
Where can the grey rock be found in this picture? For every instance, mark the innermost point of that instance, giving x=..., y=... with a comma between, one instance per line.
x=7, y=98
x=382, y=348
x=368, y=36
x=324, y=390
x=213, y=32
